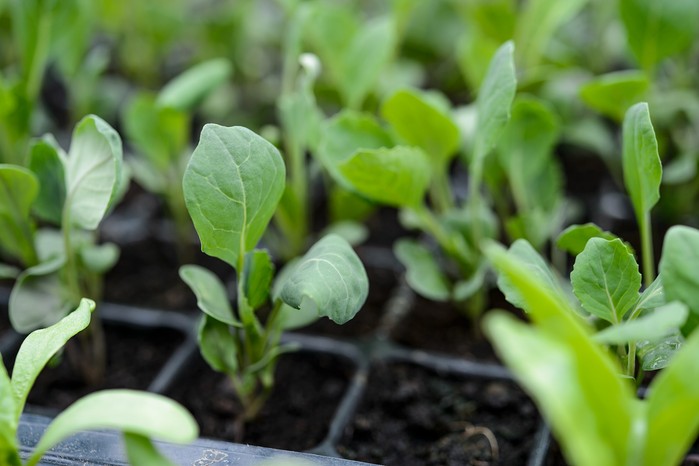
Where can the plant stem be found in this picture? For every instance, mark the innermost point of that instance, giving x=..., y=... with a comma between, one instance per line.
x=647, y=250
x=440, y=191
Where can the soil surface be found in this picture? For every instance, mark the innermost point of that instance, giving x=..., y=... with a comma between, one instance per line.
x=296, y=416
x=134, y=357
x=411, y=416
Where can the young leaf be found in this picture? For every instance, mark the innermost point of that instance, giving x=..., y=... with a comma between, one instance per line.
x=232, y=186
x=329, y=279
x=93, y=172
x=217, y=345
x=656, y=30
x=536, y=266
x=613, y=93
x=642, y=168
x=673, y=401
x=8, y=420
x=345, y=133
x=494, y=99
x=653, y=296
x=423, y=273
x=41, y=345
x=37, y=300
x=366, y=56
x=678, y=271
x=657, y=355
x=47, y=163
x=606, y=280
x=653, y=326
x=211, y=294
x=142, y=413
x=258, y=271
x=99, y=258
x=574, y=238
x=188, y=89
x=420, y=123
x=18, y=190
x=398, y=176
x=140, y=450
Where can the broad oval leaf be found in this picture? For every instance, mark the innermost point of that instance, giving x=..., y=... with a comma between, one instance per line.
x=19, y=189
x=606, y=279
x=37, y=299
x=653, y=326
x=643, y=171
x=40, y=346
x=678, y=270
x=47, y=163
x=147, y=414
x=574, y=238
x=217, y=345
x=188, y=89
x=398, y=176
x=657, y=30
x=495, y=99
x=613, y=93
x=421, y=123
x=211, y=294
x=93, y=172
x=232, y=186
x=330, y=279
x=423, y=273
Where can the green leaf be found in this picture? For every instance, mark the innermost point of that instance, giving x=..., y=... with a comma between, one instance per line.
x=657, y=355
x=678, y=270
x=575, y=383
x=606, y=280
x=522, y=251
x=41, y=345
x=8, y=421
x=140, y=450
x=146, y=414
x=211, y=294
x=397, y=177
x=495, y=99
x=423, y=273
x=93, y=173
x=345, y=133
x=536, y=24
x=47, y=163
x=99, y=258
x=8, y=271
x=37, y=299
x=329, y=279
x=159, y=134
x=258, y=272
x=188, y=89
x=613, y=93
x=653, y=326
x=217, y=345
x=366, y=57
x=643, y=171
x=419, y=122
x=653, y=296
x=574, y=238
x=232, y=186
x=18, y=191
x=673, y=401
x=657, y=30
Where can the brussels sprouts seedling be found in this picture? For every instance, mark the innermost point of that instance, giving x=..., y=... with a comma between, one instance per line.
x=138, y=415
x=232, y=185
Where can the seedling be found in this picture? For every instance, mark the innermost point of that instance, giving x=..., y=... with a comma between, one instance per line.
x=593, y=412
x=139, y=415
x=232, y=185
x=76, y=191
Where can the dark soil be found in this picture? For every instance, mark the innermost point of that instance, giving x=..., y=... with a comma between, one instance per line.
x=440, y=327
x=297, y=415
x=413, y=417
x=381, y=283
x=134, y=357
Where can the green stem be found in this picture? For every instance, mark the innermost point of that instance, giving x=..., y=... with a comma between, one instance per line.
x=35, y=68
x=440, y=190
x=647, y=250
x=631, y=360
x=458, y=251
